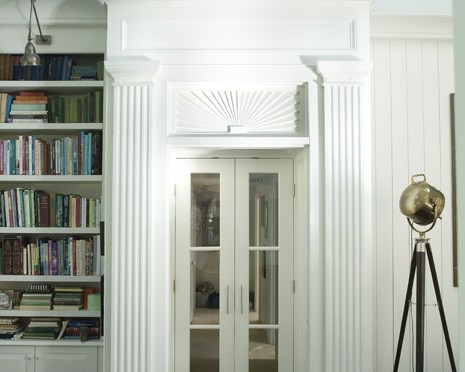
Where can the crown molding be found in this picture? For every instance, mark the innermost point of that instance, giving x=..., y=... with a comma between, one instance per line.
x=416, y=27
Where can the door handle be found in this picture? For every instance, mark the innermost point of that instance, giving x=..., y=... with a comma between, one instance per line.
x=242, y=299
x=227, y=299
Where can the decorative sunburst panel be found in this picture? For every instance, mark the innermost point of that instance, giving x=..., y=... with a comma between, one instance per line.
x=263, y=111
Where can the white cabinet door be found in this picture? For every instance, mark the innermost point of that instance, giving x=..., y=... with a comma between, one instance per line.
x=66, y=359
x=234, y=265
x=17, y=359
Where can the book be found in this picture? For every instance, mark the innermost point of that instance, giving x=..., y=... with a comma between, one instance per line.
x=3, y=106
x=6, y=320
x=32, y=93
x=44, y=208
x=28, y=107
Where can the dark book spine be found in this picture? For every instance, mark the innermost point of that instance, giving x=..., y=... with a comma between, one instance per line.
x=44, y=207
x=7, y=256
x=65, y=210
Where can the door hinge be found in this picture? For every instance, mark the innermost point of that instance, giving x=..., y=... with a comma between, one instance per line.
x=174, y=285
x=293, y=286
x=294, y=191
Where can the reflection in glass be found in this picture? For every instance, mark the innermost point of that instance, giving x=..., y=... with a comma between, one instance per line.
x=205, y=287
x=263, y=287
x=263, y=207
x=205, y=350
x=263, y=350
x=205, y=209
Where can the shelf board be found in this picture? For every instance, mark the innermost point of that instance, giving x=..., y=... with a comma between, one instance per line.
x=15, y=128
x=50, y=278
x=51, y=230
x=62, y=342
x=51, y=313
x=51, y=178
x=26, y=84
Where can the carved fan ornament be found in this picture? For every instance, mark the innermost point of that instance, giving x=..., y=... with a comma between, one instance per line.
x=266, y=111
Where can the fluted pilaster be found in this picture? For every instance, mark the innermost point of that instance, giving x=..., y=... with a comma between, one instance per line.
x=130, y=236
x=348, y=217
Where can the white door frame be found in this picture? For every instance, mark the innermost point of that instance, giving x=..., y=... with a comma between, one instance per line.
x=302, y=249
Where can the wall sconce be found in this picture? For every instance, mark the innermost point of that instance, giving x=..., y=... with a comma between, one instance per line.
x=30, y=57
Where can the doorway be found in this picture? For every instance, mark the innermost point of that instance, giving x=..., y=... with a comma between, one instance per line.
x=234, y=296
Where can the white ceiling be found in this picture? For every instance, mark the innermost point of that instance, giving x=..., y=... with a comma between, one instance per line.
x=418, y=7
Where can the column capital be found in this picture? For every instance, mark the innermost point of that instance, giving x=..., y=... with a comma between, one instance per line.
x=132, y=70
x=344, y=72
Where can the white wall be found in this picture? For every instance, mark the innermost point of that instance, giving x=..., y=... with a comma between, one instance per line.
x=411, y=83
x=75, y=26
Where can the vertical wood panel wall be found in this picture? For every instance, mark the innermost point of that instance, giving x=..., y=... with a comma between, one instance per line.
x=411, y=84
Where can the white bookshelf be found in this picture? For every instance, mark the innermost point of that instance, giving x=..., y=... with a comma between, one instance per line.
x=85, y=185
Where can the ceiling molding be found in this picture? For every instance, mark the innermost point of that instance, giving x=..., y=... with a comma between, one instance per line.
x=408, y=27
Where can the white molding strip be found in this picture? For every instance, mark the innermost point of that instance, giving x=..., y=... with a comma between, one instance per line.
x=411, y=27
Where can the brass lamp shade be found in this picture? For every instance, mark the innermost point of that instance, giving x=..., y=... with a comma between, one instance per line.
x=421, y=202
x=30, y=57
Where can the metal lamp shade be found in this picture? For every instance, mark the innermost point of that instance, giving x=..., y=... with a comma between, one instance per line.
x=421, y=202
x=30, y=57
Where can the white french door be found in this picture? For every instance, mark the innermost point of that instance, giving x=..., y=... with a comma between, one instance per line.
x=234, y=265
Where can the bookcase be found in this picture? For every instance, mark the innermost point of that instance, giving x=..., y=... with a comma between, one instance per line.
x=59, y=155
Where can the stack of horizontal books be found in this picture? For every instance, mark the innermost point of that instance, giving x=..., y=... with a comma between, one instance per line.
x=29, y=107
x=43, y=328
x=37, y=297
x=11, y=328
x=68, y=298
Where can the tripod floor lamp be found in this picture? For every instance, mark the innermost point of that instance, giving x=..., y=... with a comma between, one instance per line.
x=423, y=205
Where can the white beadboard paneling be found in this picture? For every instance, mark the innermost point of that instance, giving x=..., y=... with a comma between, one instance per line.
x=412, y=81
x=399, y=179
x=433, y=172
x=383, y=196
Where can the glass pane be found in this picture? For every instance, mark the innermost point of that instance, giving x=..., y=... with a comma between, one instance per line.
x=205, y=209
x=263, y=209
x=205, y=350
x=205, y=286
x=263, y=350
x=263, y=287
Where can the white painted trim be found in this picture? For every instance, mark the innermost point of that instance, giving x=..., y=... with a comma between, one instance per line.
x=238, y=142
x=132, y=71
x=409, y=27
x=239, y=31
